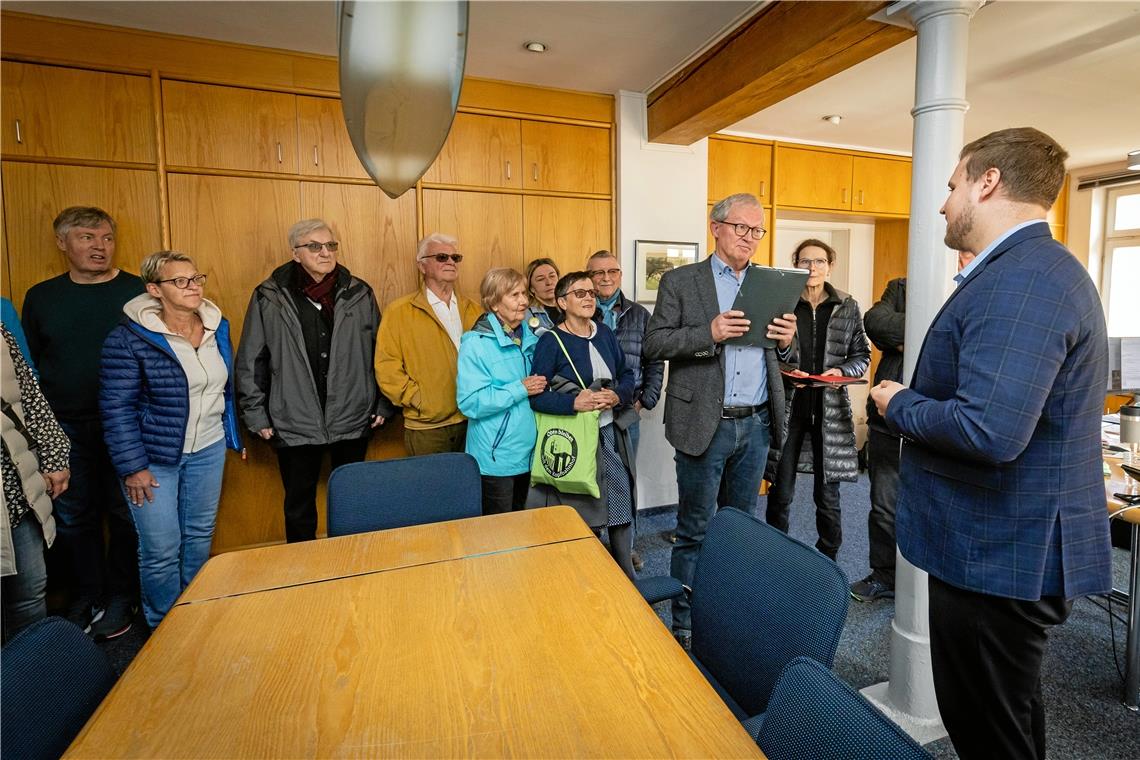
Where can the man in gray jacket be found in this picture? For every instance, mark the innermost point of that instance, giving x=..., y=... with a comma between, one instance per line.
x=304, y=369
x=720, y=398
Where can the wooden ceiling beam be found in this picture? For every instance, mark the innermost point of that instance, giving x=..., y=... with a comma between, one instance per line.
x=786, y=47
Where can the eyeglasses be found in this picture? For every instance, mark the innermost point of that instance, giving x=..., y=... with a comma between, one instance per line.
x=316, y=247
x=580, y=293
x=742, y=229
x=183, y=283
x=813, y=263
x=596, y=273
x=443, y=257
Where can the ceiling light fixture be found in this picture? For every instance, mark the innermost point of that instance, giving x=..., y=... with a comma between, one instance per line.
x=1134, y=160
x=535, y=47
x=833, y=118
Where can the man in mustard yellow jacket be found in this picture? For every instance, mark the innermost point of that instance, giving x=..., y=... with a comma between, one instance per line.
x=418, y=348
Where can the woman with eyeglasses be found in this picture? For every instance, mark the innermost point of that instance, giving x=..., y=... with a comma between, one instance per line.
x=581, y=348
x=831, y=341
x=305, y=376
x=543, y=313
x=167, y=403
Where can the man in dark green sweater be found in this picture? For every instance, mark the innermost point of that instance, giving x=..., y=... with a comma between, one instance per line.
x=66, y=320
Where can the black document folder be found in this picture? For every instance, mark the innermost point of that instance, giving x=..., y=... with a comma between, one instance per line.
x=766, y=293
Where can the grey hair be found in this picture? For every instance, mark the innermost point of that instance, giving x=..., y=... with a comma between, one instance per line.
x=496, y=284
x=81, y=216
x=435, y=237
x=602, y=254
x=306, y=227
x=720, y=211
x=151, y=268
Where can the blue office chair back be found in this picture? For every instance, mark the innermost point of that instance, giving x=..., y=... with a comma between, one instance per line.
x=54, y=677
x=395, y=493
x=812, y=715
x=761, y=599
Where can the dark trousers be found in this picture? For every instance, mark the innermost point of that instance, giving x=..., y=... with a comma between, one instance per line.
x=883, y=468
x=986, y=653
x=436, y=440
x=300, y=470
x=827, y=522
x=504, y=493
x=99, y=569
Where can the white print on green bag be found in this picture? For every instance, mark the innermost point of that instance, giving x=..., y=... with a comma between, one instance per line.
x=559, y=452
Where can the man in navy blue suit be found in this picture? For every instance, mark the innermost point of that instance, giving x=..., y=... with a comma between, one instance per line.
x=1001, y=498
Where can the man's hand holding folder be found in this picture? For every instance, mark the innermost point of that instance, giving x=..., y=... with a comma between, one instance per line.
x=733, y=324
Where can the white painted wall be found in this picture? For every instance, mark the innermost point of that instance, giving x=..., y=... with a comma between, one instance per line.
x=661, y=195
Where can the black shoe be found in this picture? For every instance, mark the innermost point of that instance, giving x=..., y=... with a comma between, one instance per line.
x=638, y=562
x=116, y=619
x=684, y=639
x=869, y=589
x=84, y=612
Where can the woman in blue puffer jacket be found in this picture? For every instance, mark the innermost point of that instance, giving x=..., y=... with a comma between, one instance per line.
x=493, y=386
x=166, y=398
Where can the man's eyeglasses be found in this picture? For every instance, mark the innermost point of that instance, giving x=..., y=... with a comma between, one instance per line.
x=580, y=293
x=316, y=247
x=742, y=229
x=596, y=273
x=813, y=263
x=183, y=283
x=443, y=257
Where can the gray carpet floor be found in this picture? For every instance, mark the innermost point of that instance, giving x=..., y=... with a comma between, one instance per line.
x=1081, y=681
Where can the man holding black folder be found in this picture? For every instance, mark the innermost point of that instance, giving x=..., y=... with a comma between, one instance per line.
x=719, y=399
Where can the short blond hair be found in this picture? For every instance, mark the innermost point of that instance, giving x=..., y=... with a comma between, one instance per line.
x=496, y=284
x=151, y=268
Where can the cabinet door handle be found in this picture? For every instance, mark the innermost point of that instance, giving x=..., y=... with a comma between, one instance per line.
x=316, y=162
x=844, y=196
x=508, y=170
x=860, y=197
x=280, y=156
x=19, y=134
x=761, y=188
x=534, y=171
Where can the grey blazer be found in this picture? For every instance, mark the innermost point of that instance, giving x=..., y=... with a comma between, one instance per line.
x=680, y=332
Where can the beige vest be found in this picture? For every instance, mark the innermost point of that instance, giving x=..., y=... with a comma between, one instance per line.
x=26, y=462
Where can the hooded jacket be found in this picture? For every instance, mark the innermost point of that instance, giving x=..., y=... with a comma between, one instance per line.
x=275, y=384
x=489, y=391
x=144, y=395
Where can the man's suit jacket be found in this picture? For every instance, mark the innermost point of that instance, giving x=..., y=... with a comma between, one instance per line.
x=680, y=332
x=1001, y=484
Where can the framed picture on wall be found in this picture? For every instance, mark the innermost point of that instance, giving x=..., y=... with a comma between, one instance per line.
x=653, y=258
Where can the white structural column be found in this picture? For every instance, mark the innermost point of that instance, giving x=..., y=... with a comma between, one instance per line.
x=939, y=120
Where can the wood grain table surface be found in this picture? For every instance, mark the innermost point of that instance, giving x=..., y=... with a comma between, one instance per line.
x=271, y=567
x=544, y=650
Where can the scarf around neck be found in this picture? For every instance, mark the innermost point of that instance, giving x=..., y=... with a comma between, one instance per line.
x=322, y=292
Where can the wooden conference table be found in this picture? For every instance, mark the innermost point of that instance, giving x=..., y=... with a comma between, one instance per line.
x=1115, y=482
x=505, y=636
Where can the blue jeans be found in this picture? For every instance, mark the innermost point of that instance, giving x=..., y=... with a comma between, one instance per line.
x=728, y=474
x=25, y=592
x=98, y=569
x=177, y=528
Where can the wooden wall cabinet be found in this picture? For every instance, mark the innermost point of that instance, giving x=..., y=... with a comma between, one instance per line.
x=489, y=228
x=567, y=230
x=807, y=178
x=481, y=151
x=235, y=128
x=880, y=185
x=57, y=112
x=740, y=167
x=566, y=158
x=324, y=147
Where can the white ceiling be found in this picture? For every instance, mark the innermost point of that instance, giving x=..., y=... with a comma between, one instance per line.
x=1069, y=68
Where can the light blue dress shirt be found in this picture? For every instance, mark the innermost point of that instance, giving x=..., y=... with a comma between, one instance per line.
x=961, y=276
x=745, y=372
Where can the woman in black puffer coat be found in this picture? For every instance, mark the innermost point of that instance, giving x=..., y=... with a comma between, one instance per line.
x=831, y=341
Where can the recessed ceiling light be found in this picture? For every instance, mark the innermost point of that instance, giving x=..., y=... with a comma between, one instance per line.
x=833, y=118
x=1134, y=160
x=535, y=47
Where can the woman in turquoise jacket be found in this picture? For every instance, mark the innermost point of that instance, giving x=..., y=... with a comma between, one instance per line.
x=493, y=386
